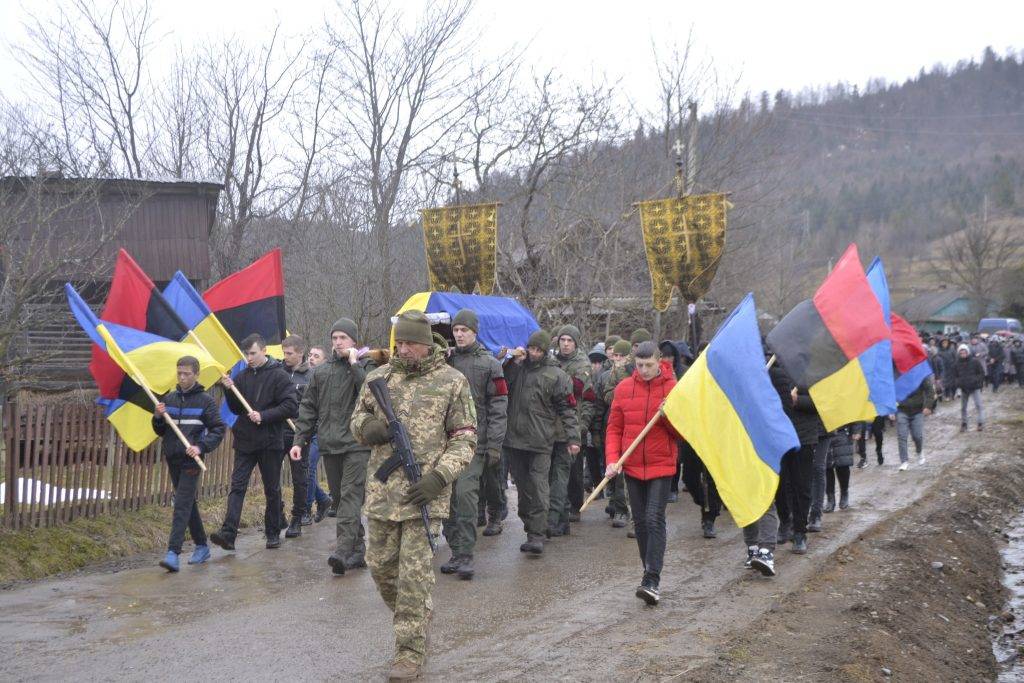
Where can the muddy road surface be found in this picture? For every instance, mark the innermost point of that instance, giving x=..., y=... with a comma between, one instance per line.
x=273, y=614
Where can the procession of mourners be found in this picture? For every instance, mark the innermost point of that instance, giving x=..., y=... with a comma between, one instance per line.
x=471, y=414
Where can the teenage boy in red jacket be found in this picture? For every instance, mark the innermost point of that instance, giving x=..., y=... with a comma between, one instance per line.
x=649, y=470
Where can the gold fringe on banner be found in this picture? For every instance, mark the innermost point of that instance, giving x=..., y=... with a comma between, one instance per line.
x=684, y=238
x=461, y=243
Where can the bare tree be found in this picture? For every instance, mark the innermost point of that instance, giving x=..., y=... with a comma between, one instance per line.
x=402, y=86
x=91, y=64
x=976, y=258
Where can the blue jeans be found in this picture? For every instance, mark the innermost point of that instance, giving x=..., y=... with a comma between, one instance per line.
x=909, y=426
x=313, y=490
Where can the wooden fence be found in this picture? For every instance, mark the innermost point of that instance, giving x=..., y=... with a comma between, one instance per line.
x=65, y=461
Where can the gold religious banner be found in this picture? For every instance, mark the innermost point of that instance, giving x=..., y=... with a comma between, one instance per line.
x=684, y=238
x=460, y=243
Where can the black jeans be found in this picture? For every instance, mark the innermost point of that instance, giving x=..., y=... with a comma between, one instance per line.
x=575, y=491
x=699, y=484
x=648, y=500
x=794, y=496
x=840, y=473
x=269, y=463
x=300, y=482
x=185, y=477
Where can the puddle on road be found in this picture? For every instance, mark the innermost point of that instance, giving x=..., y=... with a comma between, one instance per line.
x=1008, y=641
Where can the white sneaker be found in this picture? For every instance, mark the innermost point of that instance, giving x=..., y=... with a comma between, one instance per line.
x=920, y=460
x=904, y=466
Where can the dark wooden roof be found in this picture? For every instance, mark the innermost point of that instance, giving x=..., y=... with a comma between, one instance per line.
x=166, y=225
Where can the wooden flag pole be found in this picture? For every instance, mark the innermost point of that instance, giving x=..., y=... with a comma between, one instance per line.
x=238, y=394
x=629, y=451
x=138, y=379
x=636, y=442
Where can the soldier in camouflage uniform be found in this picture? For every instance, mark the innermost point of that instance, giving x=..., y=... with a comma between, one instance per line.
x=574, y=363
x=490, y=395
x=618, y=506
x=435, y=404
x=540, y=394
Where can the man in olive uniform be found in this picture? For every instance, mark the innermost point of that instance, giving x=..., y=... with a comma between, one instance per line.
x=618, y=506
x=490, y=396
x=574, y=363
x=326, y=411
x=540, y=393
x=434, y=403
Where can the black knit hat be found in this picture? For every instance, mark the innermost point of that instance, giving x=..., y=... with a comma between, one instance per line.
x=348, y=326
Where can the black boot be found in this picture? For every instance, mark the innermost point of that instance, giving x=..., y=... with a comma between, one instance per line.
x=295, y=528
x=323, y=510
x=223, y=539
x=307, y=519
x=273, y=542
x=844, y=500
x=337, y=564
x=355, y=561
x=708, y=527
x=465, y=570
x=830, y=504
x=452, y=565
x=493, y=528
x=534, y=545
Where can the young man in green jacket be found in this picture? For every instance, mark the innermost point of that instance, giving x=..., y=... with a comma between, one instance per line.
x=540, y=394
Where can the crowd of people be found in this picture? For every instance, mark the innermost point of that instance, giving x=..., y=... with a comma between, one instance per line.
x=553, y=416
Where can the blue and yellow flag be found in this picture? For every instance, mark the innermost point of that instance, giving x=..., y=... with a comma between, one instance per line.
x=145, y=358
x=189, y=304
x=726, y=408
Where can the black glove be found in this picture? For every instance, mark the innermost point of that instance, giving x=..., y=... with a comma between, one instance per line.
x=375, y=432
x=425, y=490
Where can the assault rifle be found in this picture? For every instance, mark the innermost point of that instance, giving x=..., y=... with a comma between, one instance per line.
x=403, y=456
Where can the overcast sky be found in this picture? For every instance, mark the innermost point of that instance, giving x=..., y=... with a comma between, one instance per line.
x=767, y=46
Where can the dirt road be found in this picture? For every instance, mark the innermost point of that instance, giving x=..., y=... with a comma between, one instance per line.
x=267, y=615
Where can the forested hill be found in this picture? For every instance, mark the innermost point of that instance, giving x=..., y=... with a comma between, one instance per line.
x=903, y=164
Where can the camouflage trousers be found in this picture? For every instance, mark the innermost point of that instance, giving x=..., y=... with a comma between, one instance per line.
x=401, y=564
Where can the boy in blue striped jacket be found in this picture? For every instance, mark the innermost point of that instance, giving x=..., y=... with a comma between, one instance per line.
x=197, y=416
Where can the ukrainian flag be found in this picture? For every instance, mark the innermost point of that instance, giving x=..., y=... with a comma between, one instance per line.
x=189, y=304
x=726, y=408
x=144, y=357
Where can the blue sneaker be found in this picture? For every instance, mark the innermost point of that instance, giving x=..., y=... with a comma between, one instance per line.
x=170, y=562
x=200, y=554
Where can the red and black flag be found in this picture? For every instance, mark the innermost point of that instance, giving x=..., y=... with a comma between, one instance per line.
x=823, y=344
x=252, y=300
x=135, y=302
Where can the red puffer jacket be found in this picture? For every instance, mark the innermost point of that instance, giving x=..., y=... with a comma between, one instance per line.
x=634, y=404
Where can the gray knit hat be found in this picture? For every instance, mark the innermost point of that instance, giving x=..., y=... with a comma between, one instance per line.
x=569, y=331
x=540, y=339
x=348, y=326
x=467, y=318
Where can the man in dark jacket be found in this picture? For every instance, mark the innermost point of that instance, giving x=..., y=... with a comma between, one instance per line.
x=1017, y=360
x=259, y=438
x=910, y=414
x=196, y=415
x=326, y=410
x=293, y=349
x=618, y=505
x=996, y=359
x=948, y=352
x=794, y=497
x=540, y=393
x=490, y=395
x=566, y=473
x=969, y=378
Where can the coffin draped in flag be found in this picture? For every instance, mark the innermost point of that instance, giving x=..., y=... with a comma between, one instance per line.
x=909, y=357
x=146, y=356
x=684, y=238
x=252, y=300
x=821, y=341
x=726, y=408
x=461, y=247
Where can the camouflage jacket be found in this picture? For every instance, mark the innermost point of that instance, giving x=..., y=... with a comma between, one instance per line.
x=490, y=393
x=434, y=403
x=577, y=366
